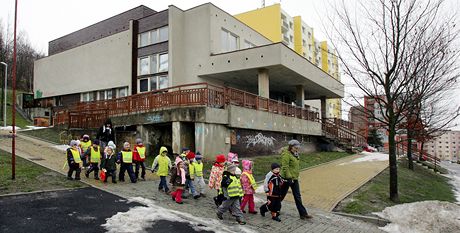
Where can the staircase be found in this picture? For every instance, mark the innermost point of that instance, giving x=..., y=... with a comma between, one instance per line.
x=341, y=133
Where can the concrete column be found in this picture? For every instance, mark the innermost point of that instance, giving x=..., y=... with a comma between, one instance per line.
x=182, y=136
x=323, y=107
x=300, y=95
x=212, y=139
x=176, y=136
x=264, y=83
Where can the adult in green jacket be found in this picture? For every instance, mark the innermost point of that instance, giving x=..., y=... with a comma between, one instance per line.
x=161, y=165
x=290, y=161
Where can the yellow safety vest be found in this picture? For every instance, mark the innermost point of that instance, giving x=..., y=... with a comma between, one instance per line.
x=95, y=155
x=252, y=181
x=198, y=169
x=127, y=156
x=141, y=151
x=234, y=189
x=85, y=145
x=76, y=155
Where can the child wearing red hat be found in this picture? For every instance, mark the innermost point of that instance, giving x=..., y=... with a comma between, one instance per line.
x=216, y=173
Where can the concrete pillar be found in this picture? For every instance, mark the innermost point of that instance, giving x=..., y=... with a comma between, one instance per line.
x=176, y=136
x=182, y=136
x=300, y=95
x=264, y=83
x=323, y=107
x=212, y=139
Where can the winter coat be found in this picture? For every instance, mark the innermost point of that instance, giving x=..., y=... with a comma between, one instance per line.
x=120, y=155
x=136, y=156
x=215, y=178
x=70, y=159
x=289, y=165
x=266, y=180
x=275, y=185
x=163, y=163
x=180, y=173
x=106, y=134
x=109, y=162
x=247, y=179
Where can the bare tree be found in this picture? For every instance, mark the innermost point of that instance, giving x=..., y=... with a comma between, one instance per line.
x=379, y=46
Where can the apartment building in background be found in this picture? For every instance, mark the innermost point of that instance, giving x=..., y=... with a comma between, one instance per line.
x=278, y=26
x=185, y=78
x=446, y=146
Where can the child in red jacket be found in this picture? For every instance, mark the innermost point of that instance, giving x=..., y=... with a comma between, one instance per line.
x=139, y=154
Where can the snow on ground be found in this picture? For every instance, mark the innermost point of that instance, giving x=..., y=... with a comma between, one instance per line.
x=422, y=217
x=31, y=127
x=61, y=147
x=9, y=128
x=454, y=175
x=369, y=157
x=139, y=218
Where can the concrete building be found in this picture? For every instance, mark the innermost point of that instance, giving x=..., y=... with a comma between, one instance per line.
x=357, y=116
x=278, y=26
x=445, y=147
x=198, y=78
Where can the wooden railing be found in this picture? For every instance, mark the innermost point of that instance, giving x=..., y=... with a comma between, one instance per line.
x=416, y=153
x=93, y=114
x=342, y=131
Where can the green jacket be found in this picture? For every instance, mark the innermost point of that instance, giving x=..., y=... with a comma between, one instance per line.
x=162, y=164
x=289, y=165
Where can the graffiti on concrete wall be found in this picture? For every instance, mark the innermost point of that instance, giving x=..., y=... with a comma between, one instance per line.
x=154, y=118
x=259, y=138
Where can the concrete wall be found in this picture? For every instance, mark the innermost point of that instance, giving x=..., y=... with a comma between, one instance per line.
x=200, y=28
x=212, y=139
x=249, y=119
x=101, y=64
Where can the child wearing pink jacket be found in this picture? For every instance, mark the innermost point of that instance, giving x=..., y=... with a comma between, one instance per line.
x=249, y=187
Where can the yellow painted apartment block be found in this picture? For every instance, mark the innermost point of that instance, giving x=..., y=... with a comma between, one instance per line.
x=275, y=24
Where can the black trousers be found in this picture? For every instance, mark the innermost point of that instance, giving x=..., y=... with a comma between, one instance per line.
x=129, y=168
x=141, y=165
x=74, y=167
x=112, y=174
x=295, y=188
x=93, y=167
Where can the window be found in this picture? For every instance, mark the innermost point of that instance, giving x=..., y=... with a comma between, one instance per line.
x=87, y=96
x=163, y=66
x=229, y=41
x=153, y=36
x=163, y=82
x=303, y=29
x=153, y=64
x=122, y=92
x=248, y=44
x=144, y=65
x=153, y=83
x=144, y=85
x=104, y=94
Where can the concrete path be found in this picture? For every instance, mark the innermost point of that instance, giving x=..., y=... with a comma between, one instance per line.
x=324, y=186
x=44, y=154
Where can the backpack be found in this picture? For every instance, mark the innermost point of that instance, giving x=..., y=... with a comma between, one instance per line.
x=175, y=179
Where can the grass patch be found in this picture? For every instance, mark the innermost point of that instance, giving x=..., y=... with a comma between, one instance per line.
x=30, y=177
x=418, y=185
x=50, y=134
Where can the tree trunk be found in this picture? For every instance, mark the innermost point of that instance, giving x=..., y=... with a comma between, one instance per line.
x=392, y=161
x=409, y=150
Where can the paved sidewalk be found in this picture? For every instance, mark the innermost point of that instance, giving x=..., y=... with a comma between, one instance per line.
x=44, y=154
x=324, y=186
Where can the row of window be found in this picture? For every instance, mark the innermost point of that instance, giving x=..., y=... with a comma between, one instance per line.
x=152, y=64
x=104, y=94
x=231, y=42
x=152, y=37
x=153, y=83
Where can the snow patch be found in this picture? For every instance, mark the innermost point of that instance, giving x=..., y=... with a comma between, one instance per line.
x=9, y=128
x=61, y=147
x=454, y=177
x=260, y=189
x=369, y=157
x=139, y=218
x=31, y=127
x=422, y=217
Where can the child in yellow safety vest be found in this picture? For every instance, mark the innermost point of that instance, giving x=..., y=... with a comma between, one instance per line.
x=139, y=158
x=196, y=174
x=74, y=161
x=231, y=189
x=85, y=143
x=125, y=158
x=94, y=154
x=249, y=187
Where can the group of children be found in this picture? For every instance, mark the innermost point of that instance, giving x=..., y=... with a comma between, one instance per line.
x=235, y=188
x=89, y=155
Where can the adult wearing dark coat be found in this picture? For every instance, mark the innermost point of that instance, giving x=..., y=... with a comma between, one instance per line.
x=106, y=133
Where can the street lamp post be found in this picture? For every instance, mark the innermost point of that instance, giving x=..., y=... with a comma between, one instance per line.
x=4, y=93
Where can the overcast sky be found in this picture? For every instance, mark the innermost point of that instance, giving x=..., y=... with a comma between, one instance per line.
x=45, y=20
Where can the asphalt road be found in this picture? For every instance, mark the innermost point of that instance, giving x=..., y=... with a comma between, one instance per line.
x=77, y=210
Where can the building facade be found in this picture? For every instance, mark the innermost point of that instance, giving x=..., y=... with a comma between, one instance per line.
x=445, y=147
x=142, y=52
x=278, y=26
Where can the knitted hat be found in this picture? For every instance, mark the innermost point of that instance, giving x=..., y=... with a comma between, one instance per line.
x=112, y=144
x=198, y=156
x=96, y=141
x=275, y=165
x=294, y=143
x=86, y=136
x=231, y=168
x=185, y=149
x=220, y=158
x=138, y=141
x=190, y=155
x=73, y=143
x=126, y=144
x=78, y=142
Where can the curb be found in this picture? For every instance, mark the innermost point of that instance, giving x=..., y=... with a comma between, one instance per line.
x=381, y=222
x=36, y=192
